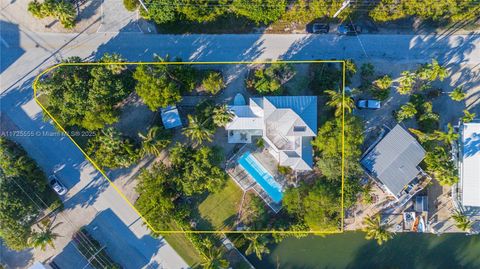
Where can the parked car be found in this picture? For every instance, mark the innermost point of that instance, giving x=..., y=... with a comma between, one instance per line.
x=349, y=29
x=57, y=186
x=369, y=104
x=320, y=28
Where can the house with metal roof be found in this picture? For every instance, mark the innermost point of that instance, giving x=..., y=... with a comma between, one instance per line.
x=286, y=123
x=468, y=187
x=394, y=161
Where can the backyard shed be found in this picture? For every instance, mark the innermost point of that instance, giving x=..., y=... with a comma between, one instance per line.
x=170, y=117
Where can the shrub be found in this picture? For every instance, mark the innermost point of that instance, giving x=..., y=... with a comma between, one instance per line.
x=284, y=170
x=367, y=70
x=62, y=10
x=131, y=5
x=270, y=79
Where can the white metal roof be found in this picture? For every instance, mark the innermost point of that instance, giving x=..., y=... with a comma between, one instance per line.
x=291, y=119
x=470, y=168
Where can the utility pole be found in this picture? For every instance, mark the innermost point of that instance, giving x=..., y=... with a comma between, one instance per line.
x=345, y=4
x=143, y=5
x=94, y=257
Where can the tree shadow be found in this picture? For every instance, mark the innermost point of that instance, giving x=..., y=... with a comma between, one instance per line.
x=187, y=47
x=40, y=138
x=87, y=9
x=15, y=259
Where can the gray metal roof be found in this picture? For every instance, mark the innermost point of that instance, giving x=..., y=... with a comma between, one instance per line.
x=394, y=159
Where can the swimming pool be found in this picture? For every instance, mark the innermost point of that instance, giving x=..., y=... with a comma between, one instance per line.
x=261, y=176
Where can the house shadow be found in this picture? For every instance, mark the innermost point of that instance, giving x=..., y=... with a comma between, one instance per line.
x=10, y=49
x=122, y=245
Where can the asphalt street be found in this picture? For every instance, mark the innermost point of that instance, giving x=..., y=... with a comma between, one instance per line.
x=25, y=53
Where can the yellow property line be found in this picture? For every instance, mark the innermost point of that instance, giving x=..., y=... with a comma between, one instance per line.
x=200, y=63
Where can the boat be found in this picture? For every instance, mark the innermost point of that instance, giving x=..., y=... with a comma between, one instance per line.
x=421, y=225
x=415, y=224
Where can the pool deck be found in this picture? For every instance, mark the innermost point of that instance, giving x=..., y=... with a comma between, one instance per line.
x=246, y=182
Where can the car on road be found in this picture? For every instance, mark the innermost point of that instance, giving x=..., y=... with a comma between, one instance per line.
x=57, y=186
x=320, y=28
x=369, y=104
x=349, y=29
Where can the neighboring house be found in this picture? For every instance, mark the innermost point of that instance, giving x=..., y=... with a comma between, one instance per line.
x=394, y=161
x=286, y=123
x=170, y=117
x=468, y=188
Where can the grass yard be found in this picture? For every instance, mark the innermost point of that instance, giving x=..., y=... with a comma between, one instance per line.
x=182, y=245
x=220, y=208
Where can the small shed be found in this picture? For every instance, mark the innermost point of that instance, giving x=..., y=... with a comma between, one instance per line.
x=170, y=117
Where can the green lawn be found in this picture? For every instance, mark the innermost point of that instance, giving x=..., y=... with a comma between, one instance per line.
x=220, y=208
x=182, y=245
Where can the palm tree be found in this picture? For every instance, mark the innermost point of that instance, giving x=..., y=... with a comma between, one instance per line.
x=384, y=83
x=448, y=138
x=196, y=131
x=407, y=111
x=222, y=115
x=457, y=94
x=257, y=244
x=406, y=82
x=438, y=71
x=46, y=236
x=213, y=257
x=152, y=142
x=423, y=137
x=338, y=102
x=374, y=229
x=462, y=222
x=467, y=116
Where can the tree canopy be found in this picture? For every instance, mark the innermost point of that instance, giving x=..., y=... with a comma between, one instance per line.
x=110, y=149
x=317, y=205
x=328, y=147
x=163, y=84
x=197, y=170
x=23, y=194
x=441, y=166
x=448, y=10
x=157, y=193
x=269, y=79
x=87, y=96
x=62, y=10
x=260, y=11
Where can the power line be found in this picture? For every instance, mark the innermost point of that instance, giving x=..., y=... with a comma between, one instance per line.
x=85, y=238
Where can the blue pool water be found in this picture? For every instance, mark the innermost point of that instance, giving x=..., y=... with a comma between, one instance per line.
x=261, y=176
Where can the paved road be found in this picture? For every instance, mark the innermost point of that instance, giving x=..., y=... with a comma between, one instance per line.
x=92, y=202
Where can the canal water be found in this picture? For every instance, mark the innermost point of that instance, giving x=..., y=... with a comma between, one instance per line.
x=351, y=250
